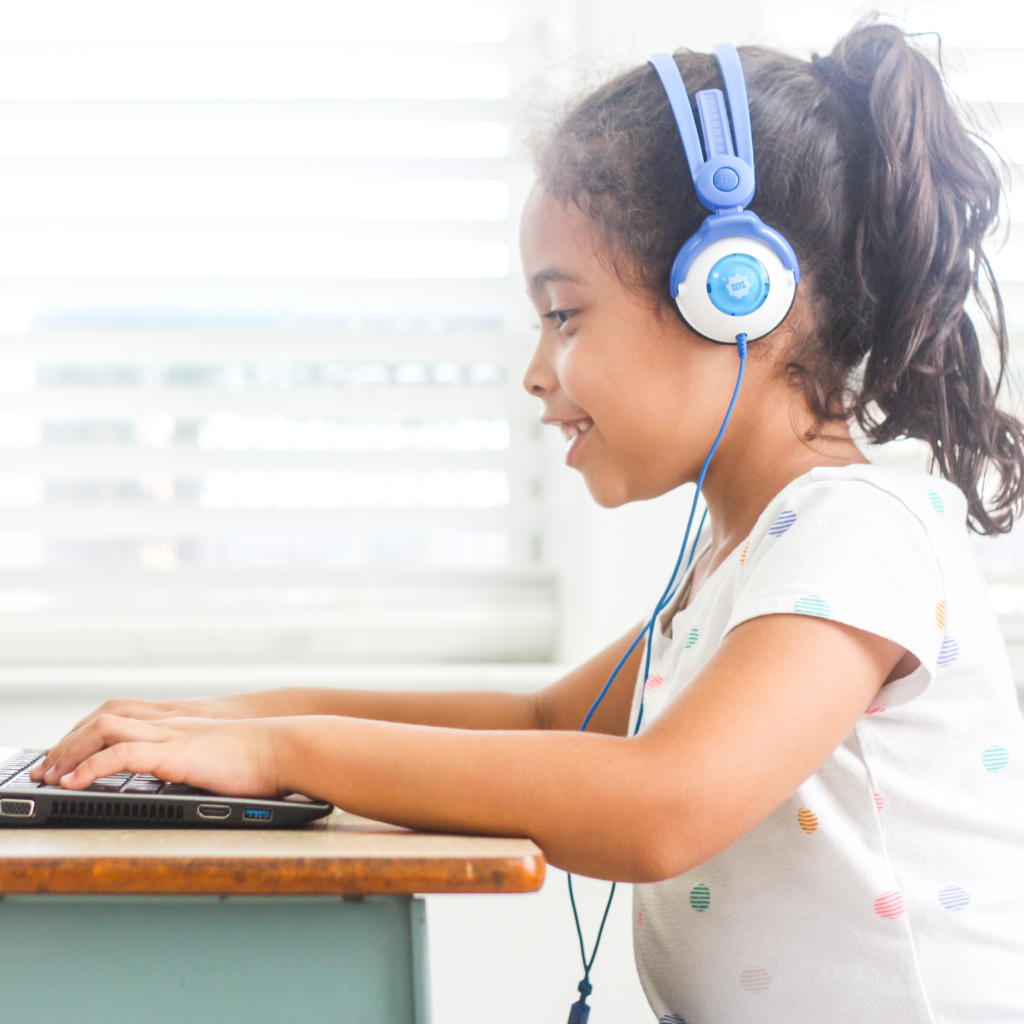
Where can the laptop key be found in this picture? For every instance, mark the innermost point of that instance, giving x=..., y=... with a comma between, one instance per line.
x=18, y=764
x=109, y=784
x=21, y=779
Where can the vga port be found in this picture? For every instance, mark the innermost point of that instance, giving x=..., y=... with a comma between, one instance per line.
x=17, y=808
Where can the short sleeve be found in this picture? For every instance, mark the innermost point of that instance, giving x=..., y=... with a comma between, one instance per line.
x=852, y=552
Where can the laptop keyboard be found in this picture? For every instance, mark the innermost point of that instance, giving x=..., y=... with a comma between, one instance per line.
x=15, y=773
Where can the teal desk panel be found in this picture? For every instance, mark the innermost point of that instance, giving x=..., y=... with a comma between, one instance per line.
x=213, y=960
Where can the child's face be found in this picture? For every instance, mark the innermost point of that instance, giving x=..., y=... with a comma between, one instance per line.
x=638, y=396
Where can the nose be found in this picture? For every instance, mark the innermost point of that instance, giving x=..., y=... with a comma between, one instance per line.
x=539, y=379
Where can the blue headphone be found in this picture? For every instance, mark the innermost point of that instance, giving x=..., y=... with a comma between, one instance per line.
x=736, y=275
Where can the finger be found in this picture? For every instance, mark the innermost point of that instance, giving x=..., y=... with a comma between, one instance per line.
x=59, y=751
x=123, y=709
x=104, y=731
x=108, y=707
x=83, y=722
x=101, y=732
x=53, y=753
x=132, y=756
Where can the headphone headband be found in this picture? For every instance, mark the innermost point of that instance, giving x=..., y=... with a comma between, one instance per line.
x=739, y=105
x=725, y=179
x=675, y=89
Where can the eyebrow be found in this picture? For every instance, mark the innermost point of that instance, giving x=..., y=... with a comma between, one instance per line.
x=551, y=275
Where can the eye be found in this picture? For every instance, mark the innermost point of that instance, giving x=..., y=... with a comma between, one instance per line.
x=560, y=316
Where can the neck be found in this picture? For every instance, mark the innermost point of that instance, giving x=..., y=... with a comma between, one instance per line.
x=763, y=450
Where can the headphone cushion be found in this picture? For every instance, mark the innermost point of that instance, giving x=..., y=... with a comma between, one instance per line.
x=736, y=285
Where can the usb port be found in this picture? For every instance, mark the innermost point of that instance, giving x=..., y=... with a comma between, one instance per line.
x=257, y=814
x=214, y=811
x=17, y=808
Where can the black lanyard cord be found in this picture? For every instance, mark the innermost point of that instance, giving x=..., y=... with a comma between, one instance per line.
x=579, y=1011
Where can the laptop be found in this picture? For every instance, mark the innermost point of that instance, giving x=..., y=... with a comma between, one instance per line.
x=132, y=800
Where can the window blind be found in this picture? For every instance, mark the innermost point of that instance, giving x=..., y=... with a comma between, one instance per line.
x=260, y=340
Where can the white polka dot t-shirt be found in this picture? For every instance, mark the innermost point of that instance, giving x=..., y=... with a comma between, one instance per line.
x=890, y=886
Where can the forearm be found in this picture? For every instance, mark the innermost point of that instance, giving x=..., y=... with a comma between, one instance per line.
x=452, y=710
x=577, y=796
x=563, y=705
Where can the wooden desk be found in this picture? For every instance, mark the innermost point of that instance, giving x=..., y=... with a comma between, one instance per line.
x=308, y=926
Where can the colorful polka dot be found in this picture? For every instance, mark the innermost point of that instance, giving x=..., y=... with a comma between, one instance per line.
x=671, y=1018
x=949, y=652
x=995, y=758
x=940, y=614
x=952, y=897
x=879, y=802
x=813, y=606
x=654, y=682
x=743, y=553
x=808, y=820
x=936, y=499
x=691, y=638
x=890, y=905
x=784, y=521
x=700, y=898
x=755, y=979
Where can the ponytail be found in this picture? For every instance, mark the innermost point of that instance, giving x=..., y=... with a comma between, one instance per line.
x=929, y=199
x=864, y=166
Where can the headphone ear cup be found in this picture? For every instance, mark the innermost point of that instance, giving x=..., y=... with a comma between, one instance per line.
x=736, y=285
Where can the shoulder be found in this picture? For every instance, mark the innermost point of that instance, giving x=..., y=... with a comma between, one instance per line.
x=860, y=545
x=864, y=500
x=864, y=536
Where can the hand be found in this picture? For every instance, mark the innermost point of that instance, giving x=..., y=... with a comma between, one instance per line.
x=196, y=707
x=236, y=758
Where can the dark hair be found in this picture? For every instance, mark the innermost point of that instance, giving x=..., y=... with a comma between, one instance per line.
x=865, y=166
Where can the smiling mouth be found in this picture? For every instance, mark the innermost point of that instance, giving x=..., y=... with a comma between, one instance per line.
x=573, y=429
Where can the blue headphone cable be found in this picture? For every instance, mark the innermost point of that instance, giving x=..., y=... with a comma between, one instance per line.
x=580, y=1011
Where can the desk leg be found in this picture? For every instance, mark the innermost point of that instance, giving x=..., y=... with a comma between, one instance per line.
x=420, y=961
x=213, y=960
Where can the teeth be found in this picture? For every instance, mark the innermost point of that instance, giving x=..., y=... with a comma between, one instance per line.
x=572, y=430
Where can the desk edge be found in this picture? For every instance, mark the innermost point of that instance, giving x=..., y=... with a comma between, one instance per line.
x=283, y=876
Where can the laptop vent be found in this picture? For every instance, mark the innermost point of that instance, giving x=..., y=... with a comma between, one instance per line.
x=106, y=810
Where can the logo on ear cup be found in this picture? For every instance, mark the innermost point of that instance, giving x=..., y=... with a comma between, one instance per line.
x=738, y=284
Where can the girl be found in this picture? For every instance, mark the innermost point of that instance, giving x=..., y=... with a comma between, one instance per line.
x=824, y=805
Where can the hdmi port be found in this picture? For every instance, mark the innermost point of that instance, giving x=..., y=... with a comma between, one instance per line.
x=214, y=811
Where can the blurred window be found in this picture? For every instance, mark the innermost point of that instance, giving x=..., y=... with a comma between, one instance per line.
x=260, y=341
